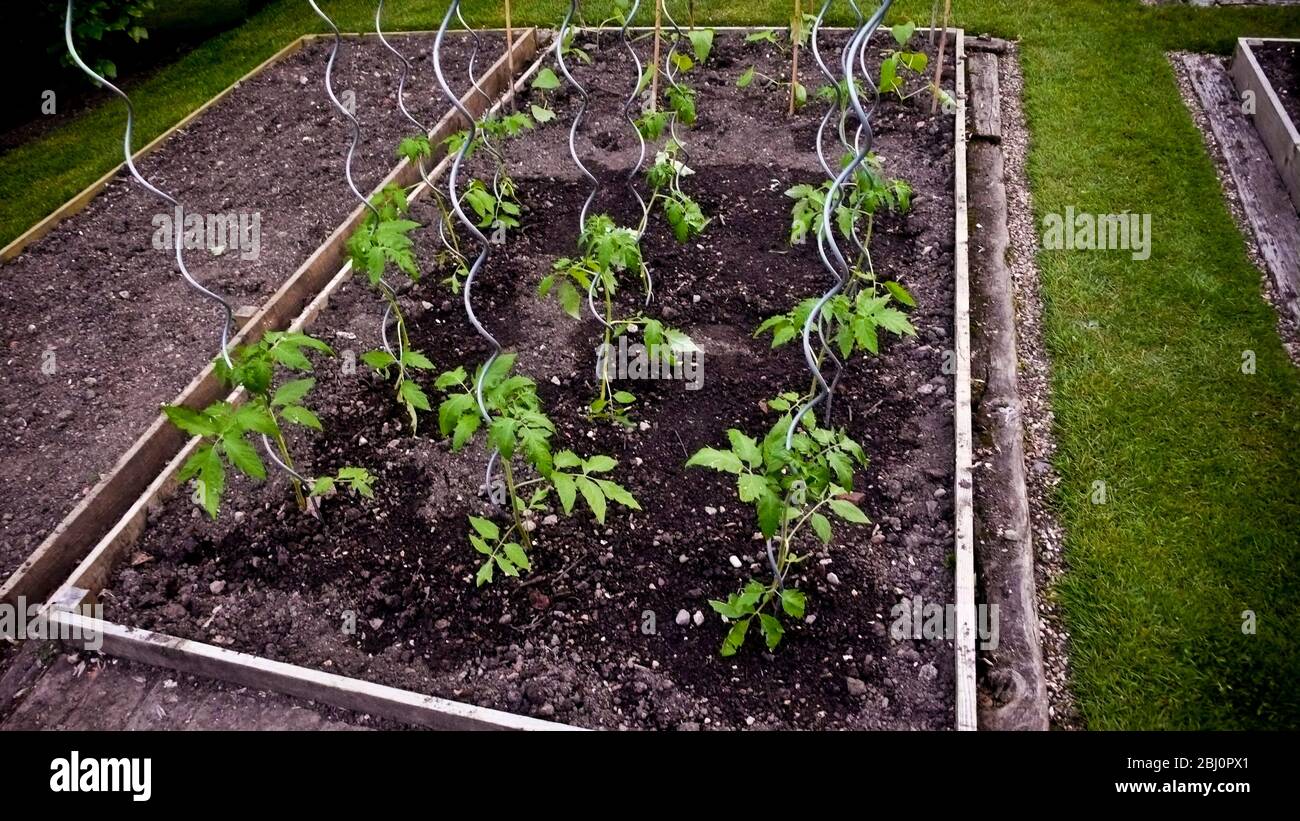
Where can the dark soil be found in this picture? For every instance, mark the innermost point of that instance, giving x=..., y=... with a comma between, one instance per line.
x=110, y=313
x=566, y=642
x=1281, y=65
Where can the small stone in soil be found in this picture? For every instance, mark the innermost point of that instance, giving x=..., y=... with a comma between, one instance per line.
x=856, y=686
x=683, y=618
x=735, y=562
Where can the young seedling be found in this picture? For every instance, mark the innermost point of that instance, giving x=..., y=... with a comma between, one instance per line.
x=380, y=241
x=790, y=489
x=419, y=151
x=852, y=318
x=518, y=426
x=224, y=427
x=609, y=254
x=895, y=63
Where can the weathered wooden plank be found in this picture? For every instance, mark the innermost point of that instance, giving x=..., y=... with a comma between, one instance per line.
x=104, y=505
x=963, y=486
x=986, y=113
x=1269, y=210
x=1015, y=685
x=1271, y=120
x=325, y=688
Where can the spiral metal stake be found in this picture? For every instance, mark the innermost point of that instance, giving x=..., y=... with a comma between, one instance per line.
x=177, y=239
x=628, y=115
x=839, y=268
x=497, y=495
x=671, y=74
x=577, y=118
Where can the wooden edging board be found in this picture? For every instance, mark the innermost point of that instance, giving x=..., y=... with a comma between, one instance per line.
x=1275, y=127
x=963, y=480
x=46, y=567
x=89, y=578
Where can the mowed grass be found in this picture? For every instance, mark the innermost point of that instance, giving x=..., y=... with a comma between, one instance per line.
x=1200, y=462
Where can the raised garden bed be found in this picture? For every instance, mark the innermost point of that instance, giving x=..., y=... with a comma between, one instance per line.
x=1267, y=71
x=260, y=148
x=568, y=640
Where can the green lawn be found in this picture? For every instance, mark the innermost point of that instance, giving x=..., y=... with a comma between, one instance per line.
x=1201, y=462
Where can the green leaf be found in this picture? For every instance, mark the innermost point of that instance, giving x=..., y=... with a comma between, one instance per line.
x=849, y=512
x=484, y=573
x=593, y=495
x=542, y=115
x=599, y=464
x=486, y=528
x=243, y=456
x=413, y=395
x=466, y=425
x=752, y=486
x=769, y=513
x=793, y=602
x=290, y=357
x=723, y=460
x=190, y=421
x=501, y=435
x=822, y=527
x=322, y=486
x=772, y=630
x=565, y=489
x=735, y=637
x=507, y=566
x=546, y=80
x=567, y=459
x=618, y=494
x=570, y=299
x=255, y=416
x=745, y=447
x=417, y=360
x=292, y=393
x=902, y=32
x=301, y=416
x=701, y=43
x=378, y=359
x=517, y=556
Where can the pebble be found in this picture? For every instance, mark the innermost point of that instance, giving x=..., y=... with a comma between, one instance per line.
x=928, y=672
x=833, y=579
x=683, y=618
x=712, y=511
x=856, y=686
x=216, y=587
x=698, y=618
x=735, y=562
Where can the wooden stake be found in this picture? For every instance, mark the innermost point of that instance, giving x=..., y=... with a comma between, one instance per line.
x=510, y=52
x=796, y=30
x=938, y=67
x=654, y=77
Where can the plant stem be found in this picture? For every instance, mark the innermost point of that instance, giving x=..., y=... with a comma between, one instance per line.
x=938, y=68
x=288, y=460
x=796, y=30
x=515, y=505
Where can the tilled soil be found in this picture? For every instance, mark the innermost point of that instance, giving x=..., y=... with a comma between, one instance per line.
x=1280, y=63
x=572, y=640
x=98, y=327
